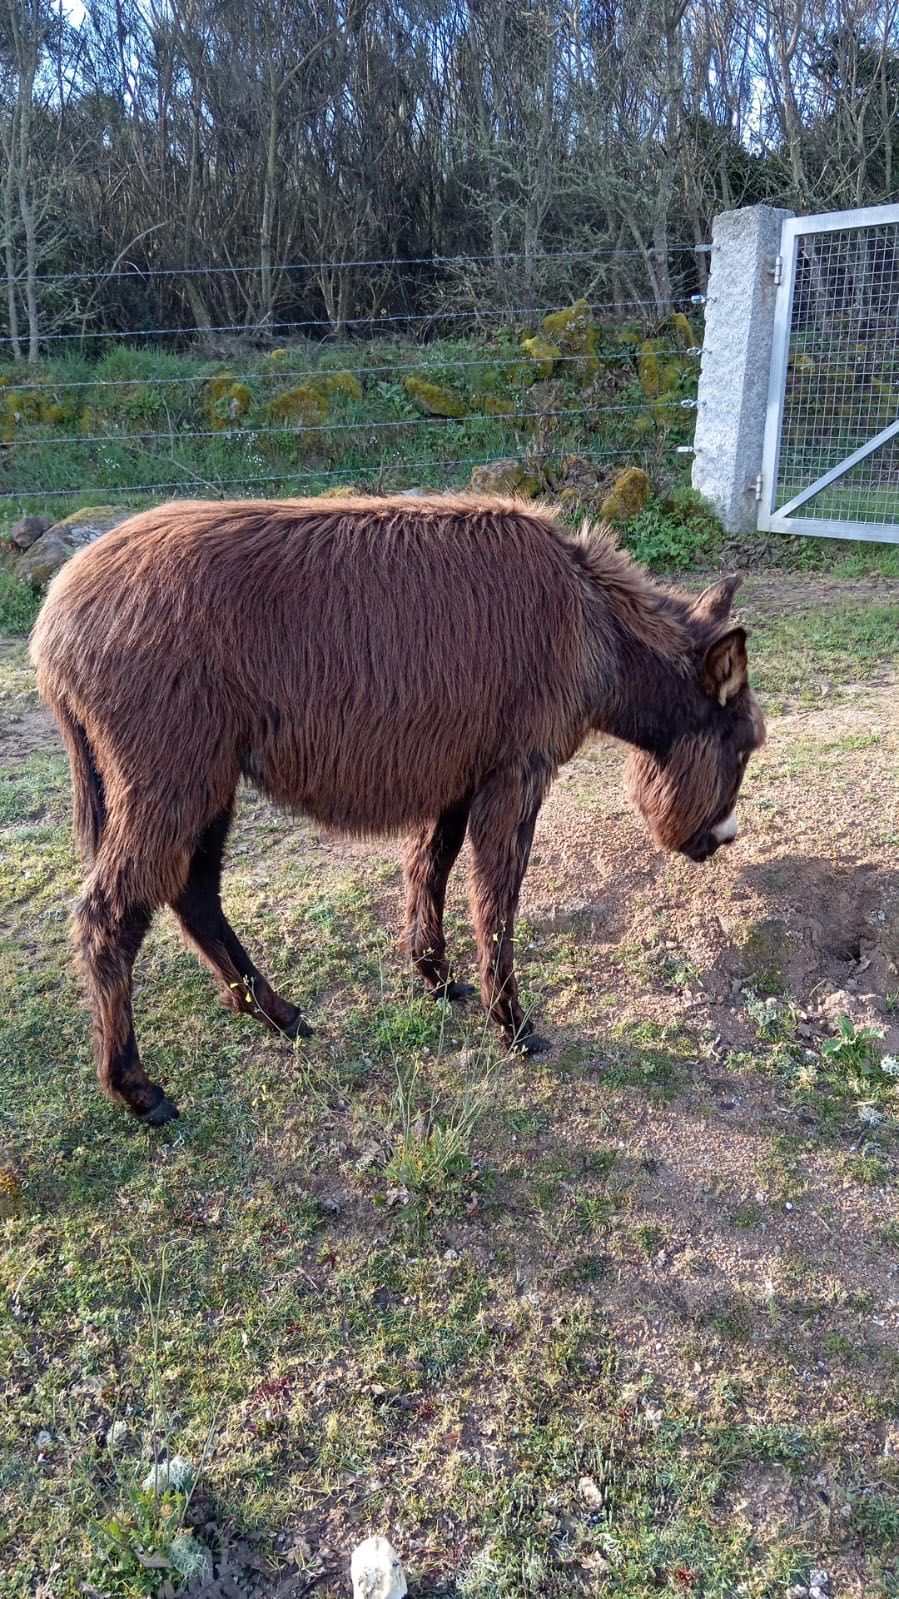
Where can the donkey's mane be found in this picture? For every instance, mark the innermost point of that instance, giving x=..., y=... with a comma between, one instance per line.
x=655, y=615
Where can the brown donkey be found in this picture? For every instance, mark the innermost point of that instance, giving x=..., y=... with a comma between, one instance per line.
x=383, y=665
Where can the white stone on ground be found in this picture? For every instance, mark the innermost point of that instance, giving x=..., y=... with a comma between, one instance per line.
x=377, y=1571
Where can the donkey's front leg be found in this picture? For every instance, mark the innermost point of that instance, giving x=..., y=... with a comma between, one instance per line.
x=503, y=817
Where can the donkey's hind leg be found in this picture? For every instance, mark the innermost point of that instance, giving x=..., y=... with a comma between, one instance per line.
x=198, y=908
x=430, y=856
x=108, y=938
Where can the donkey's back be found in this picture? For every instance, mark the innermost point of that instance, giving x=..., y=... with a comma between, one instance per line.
x=362, y=661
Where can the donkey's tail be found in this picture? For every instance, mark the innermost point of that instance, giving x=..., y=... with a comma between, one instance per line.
x=88, y=796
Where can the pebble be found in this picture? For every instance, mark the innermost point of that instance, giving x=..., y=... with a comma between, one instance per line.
x=591, y=1493
x=376, y=1571
x=176, y=1472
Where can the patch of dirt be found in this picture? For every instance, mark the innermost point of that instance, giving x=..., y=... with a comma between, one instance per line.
x=30, y=731
x=775, y=594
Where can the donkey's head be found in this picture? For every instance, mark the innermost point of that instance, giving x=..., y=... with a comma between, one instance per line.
x=688, y=795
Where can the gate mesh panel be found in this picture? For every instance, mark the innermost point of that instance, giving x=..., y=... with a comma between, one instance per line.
x=868, y=492
x=842, y=384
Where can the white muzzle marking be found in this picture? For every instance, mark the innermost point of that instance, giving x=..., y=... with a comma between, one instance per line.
x=726, y=830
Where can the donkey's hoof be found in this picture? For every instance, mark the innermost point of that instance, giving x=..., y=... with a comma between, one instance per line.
x=161, y=1111
x=454, y=991
x=298, y=1028
x=530, y=1044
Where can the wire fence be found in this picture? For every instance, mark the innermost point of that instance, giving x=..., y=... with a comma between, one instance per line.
x=570, y=394
x=365, y=263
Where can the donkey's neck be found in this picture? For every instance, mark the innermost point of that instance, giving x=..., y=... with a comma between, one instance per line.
x=641, y=694
x=642, y=684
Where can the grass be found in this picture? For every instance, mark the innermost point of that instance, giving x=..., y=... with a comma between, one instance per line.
x=847, y=1082
x=309, y=417
x=795, y=653
x=529, y=1318
x=18, y=605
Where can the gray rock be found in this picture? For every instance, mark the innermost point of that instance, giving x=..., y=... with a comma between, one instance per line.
x=28, y=530
x=43, y=560
x=53, y=548
x=83, y=527
x=508, y=476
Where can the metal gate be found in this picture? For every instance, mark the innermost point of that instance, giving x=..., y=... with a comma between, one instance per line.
x=831, y=457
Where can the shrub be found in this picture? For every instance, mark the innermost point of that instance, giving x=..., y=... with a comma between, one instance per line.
x=673, y=532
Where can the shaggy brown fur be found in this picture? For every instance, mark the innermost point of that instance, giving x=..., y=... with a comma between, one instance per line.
x=382, y=665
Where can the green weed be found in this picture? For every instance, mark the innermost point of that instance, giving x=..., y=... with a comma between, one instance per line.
x=19, y=605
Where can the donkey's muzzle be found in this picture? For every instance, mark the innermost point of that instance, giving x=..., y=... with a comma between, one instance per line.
x=701, y=848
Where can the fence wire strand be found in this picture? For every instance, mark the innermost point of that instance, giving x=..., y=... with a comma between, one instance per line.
x=618, y=358
x=297, y=429
x=268, y=327
x=224, y=270
x=308, y=475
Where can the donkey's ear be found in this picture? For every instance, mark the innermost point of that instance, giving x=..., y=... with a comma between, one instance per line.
x=713, y=607
x=725, y=668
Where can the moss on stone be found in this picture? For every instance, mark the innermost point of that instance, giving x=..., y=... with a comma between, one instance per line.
x=573, y=330
x=495, y=405
x=649, y=370
x=25, y=407
x=627, y=496
x=226, y=400
x=684, y=337
x=765, y=953
x=434, y=400
x=509, y=476
x=88, y=513
x=301, y=404
x=543, y=352
x=339, y=385
x=53, y=413
x=570, y=326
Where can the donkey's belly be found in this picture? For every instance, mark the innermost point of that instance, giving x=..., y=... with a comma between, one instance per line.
x=369, y=787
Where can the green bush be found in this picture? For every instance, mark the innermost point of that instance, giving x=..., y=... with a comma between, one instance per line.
x=19, y=605
x=673, y=532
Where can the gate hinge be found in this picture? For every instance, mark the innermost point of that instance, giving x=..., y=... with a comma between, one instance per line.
x=778, y=269
x=759, y=485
